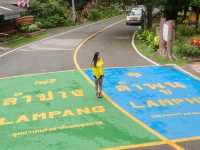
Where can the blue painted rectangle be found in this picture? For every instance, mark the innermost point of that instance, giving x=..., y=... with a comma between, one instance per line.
x=163, y=97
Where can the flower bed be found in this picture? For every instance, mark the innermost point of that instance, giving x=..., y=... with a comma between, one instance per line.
x=196, y=42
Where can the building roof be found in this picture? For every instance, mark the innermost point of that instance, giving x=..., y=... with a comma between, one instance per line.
x=9, y=11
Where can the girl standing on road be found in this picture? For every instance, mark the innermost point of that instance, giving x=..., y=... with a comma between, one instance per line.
x=98, y=73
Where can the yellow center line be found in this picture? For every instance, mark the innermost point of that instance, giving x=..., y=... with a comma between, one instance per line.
x=162, y=138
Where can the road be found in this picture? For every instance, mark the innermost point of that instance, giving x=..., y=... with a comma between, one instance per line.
x=50, y=54
x=55, y=53
x=115, y=46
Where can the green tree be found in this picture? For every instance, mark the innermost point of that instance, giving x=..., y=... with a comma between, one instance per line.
x=51, y=13
x=196, y=6
x=195, y=3
x=150, y=5
x=170, y=8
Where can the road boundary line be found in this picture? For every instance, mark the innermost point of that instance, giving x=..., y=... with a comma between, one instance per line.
x=139, y=53
x=177, y=67
x=162, y=138
x=185, y=71
x=157, y=64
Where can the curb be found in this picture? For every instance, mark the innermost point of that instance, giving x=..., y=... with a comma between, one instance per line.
x=157, y=64
x=139, y=53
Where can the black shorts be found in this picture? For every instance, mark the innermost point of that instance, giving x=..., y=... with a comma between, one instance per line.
x=99, y=77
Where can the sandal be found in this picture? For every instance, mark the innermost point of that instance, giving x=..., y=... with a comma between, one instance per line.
x=100, y=95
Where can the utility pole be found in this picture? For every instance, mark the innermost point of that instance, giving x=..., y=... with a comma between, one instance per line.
x=73, y=11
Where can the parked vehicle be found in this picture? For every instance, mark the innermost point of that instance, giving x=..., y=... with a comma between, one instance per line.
x=135, y=17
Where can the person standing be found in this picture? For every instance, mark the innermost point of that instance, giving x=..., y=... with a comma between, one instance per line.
x=98, y=73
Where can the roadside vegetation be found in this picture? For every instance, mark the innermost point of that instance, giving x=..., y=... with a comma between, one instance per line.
x=19, y=40
x=151, y=53
x=186, y=45
x=103, y=13
x=50, y=13
x=56, y=13
x=185, y=48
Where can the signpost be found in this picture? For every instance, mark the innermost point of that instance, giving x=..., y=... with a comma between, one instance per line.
x=166, y=38
x=165, y=32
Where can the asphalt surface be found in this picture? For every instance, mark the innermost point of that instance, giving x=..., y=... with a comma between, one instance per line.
x=115, y=47
x=56, y=54
x=51, y=54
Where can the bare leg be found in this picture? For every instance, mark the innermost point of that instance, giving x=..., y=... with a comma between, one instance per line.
x=97, y=86
x=100, y=86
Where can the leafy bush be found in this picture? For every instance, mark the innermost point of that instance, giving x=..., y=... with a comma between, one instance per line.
x=183, y=49
x=94, y=15
x=24, y=13
x=33, y=27
x=103, y=12
x=198, y=29
x=29, y=28
x=184, y=30
x=38, y=23
x=149, y=38
x=23, y=28
x=156, y=42
x=43, y=8
x=54, y=21
x=51, y=13
x=108, y=12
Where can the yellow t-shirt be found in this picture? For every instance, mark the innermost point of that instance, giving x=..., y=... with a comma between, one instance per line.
x=98, y=71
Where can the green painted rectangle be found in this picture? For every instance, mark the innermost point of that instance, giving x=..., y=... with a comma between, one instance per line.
x=58, y=111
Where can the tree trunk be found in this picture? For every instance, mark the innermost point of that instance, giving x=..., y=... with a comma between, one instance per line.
x=197, y=16
x=171, y=34
x=123, y=5
x=162, y=49
x=149, y=17
x=185, y=13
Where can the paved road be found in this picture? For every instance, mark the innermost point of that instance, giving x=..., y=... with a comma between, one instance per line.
x=115, y=46
x=56, y=53
x=51, y=54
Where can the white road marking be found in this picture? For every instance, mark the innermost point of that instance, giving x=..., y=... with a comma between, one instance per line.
x=185, y=71
x=157, y=64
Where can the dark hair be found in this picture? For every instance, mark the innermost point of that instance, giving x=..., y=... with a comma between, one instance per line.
x=95, y=58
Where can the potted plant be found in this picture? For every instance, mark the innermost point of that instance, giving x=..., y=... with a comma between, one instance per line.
x=26, y=20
